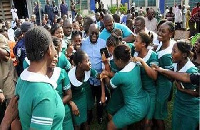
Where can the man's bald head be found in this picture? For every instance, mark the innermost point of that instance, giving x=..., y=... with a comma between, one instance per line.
x=150, y=13
x=93, y=26
x=93, y=33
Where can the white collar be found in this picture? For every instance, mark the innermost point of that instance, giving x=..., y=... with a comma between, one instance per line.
x=60, y=53
x=111, y=58
x=36, y=77
x=27, y=60
x=128, y=67
x=172, y=42
x=56, y=74
x=187, y=66
x=146, y=58
x=167, y=50
x=74, y=81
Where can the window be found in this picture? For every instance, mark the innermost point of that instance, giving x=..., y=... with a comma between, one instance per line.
x=139, y=3
x=151, y=2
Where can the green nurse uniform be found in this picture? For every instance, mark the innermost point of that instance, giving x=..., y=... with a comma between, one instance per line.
x=79, y=94
x=136, y=100
x=164, y=85
x=186, y=107
x=148, y=84
x=116, y=101
x=40, y=107
x=63, y=62
x=63, y=84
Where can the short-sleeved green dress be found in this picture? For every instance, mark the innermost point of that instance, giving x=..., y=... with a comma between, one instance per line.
x=61, y=78
x=148, y=84
x=186, y=107
x=89, y=96
x=40, y=107
x=164, y=85
x=116, y=101
x=136, y=100
x=63, y=62
x=79, y=94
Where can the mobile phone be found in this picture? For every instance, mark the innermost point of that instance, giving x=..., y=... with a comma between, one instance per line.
x=105, y=51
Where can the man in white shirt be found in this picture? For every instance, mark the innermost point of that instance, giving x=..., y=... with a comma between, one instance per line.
x=139, y=26
x=178, y=18
x=150, y=21
x=166, y=10
x=10, y=31
x=14, y=13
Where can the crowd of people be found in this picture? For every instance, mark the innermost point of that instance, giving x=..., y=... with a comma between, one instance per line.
x=53, y=75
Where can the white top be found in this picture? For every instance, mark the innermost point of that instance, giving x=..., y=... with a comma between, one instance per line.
x=187, y=66
x=151, y=25
x=166, y=11
x=74, y=81
x=178, y=16
x=11, y=34
x=14, y=13
x=155, y=36
x=36, y=77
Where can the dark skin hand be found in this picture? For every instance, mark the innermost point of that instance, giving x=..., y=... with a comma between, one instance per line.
x=4, y=55
x=190, y=92
x=11, y=114
x=67, y=96
x=130, y=38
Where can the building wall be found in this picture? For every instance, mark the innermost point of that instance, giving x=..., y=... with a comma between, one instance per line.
x=108, y=3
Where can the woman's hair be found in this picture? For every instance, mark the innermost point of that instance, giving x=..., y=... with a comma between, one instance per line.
x=184, y=46
x=56, y=41
x=171, y=26
x=54, y=28
x=115, y=38
x=145, y=38
x=78, y=57
x=122, y=52
x=76, y=33
x=161, y=22
x=37, y=41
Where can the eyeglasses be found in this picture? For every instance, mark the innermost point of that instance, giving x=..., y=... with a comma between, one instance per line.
x=96, y=33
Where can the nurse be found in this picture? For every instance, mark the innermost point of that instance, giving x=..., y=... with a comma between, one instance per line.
x=164, y=85
x=148, y=75
x=186, y=104
x=113, y=41
x=39, y=105
x=57, y=31
x=58, y=75
x=136, y=100
x=79, y=76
